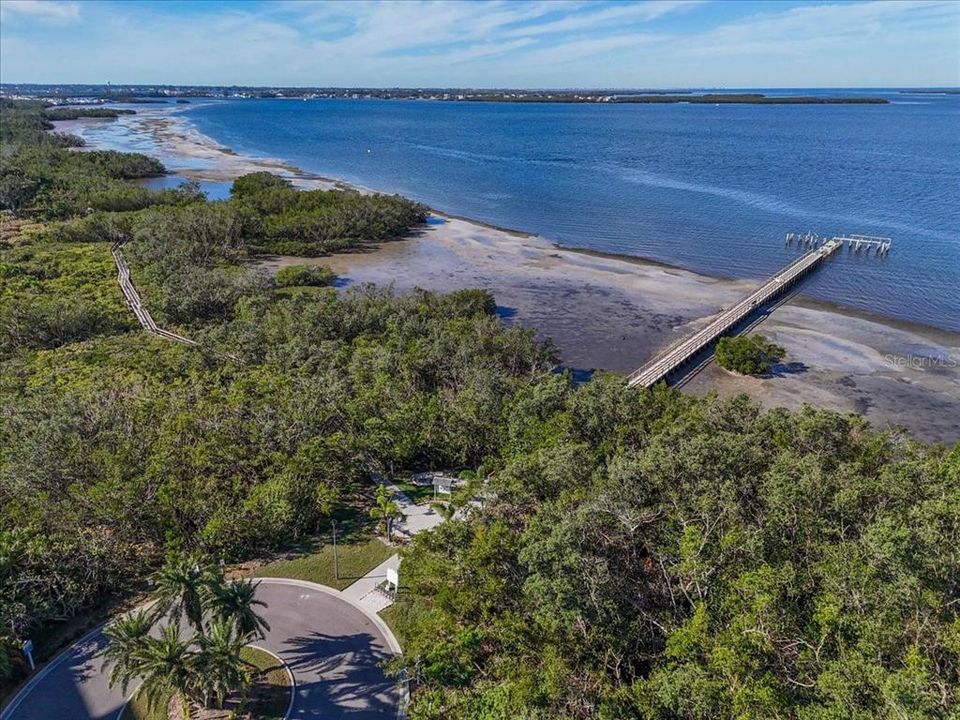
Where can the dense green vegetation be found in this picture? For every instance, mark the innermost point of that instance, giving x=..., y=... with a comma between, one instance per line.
x=747, y=354
x=40, y=176
x=115, y=446
x=119, y=447
x=655, y=556
x=317, y=222
x=74, y=113
x=637, y=554
x=55, y=293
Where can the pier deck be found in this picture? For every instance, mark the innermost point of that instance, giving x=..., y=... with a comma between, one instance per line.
x=676, y=356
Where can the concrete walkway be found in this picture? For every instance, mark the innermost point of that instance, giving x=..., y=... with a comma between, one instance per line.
x=416, y=518
x=364, y=590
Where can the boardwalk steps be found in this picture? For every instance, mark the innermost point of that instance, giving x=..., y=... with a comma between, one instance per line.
x=682, y=352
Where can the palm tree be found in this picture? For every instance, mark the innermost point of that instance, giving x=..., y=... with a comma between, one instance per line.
x=128, y=635
x=234, y=602
x=385, y=510
x=217, y=667
x=182, y=587
x=166, y=667
x=205, y=664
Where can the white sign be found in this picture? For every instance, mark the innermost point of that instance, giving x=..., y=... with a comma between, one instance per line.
x=393, y=578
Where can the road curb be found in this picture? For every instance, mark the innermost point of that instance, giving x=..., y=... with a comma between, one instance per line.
x=7, y=712
x=293, y=680
x=376, y=619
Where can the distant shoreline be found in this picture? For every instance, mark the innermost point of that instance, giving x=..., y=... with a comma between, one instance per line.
x=90, y=94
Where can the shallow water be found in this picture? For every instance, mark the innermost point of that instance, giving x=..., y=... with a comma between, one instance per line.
x=710, y=188
x=214, y=190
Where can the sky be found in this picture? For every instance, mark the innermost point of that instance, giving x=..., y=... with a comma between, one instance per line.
x=498, y=43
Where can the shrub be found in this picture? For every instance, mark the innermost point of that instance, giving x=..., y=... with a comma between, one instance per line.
x=70, y=113
x=295, y=275
x=50, y=322
x=255, y=183
x=748, y=355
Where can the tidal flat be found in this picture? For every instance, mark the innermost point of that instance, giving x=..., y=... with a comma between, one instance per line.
x=604, y=312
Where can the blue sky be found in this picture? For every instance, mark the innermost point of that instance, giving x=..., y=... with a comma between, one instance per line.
x=557, y=43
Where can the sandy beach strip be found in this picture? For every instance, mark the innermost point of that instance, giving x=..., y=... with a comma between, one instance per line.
x=613, y=313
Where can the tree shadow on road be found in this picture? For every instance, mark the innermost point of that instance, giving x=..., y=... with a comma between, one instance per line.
x=341, y=676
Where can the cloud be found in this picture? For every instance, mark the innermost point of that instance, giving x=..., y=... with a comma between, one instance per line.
x=51, y=11
x=593, y=18
x=578, y=43
x=392, y=28
x=831, y=25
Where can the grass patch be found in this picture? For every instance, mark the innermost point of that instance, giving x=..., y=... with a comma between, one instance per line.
x=270, y=694
x=419, y=494
x=392, y=617
x=406, y=612
x=357, y=558
x=139, y=709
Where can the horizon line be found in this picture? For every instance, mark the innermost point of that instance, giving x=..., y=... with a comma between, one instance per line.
x=484, y=87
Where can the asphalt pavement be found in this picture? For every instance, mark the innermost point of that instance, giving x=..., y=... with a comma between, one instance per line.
x=332, y=645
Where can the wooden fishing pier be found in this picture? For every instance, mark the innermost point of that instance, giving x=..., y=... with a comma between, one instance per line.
x=855, y=243
x=676, y=356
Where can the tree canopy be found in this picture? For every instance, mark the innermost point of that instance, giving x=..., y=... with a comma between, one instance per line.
x=631, y=554
x=646, y=555
x=202, y=668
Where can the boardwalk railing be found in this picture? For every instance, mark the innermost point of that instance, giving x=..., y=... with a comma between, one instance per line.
x=133, y=300
x=682, y=352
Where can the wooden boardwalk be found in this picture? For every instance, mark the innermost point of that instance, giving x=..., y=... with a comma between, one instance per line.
x=682, y=352
x=133, y=300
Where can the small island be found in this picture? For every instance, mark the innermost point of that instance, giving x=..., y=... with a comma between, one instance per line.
x=670, y=98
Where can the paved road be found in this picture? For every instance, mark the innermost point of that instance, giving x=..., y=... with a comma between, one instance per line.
x=332, y=646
